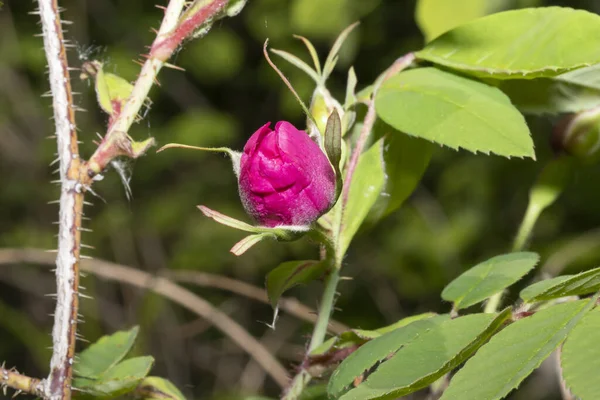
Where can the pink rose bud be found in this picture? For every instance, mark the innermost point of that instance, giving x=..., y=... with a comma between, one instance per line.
x=285, y=178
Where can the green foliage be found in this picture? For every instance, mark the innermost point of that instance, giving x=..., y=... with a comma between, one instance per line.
x=118, y=380
x=412, y=357
x=454, y=111
x=105, y=353
x=511, y=355
x=488, y=278
x=406, y=159
x=101, y=371
x=438, y=16
x=357, y=337
x=333, y=145
x=367, y=183
x=561, y=286
x=157, y=388
x=290, y=274
x=550, y=95
x=580, y=358
x=499, y=45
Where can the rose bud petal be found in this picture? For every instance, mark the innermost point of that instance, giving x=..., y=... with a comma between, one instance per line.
x=285, y=178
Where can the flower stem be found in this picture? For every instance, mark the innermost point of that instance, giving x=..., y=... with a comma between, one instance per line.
x=325, y=310
x=303, y=377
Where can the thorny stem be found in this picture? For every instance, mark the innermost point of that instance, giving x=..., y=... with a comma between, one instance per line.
x=102, y=156
x=64, y=331
x=21, y=383
x=174, y=29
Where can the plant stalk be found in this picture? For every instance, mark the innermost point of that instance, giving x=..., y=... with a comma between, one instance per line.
x=58, y=384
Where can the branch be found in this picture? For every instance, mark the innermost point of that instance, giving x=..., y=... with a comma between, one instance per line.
x=173, y=30
x=288, y=304
x=21, y=383
x=71, y=204
x=169, y=290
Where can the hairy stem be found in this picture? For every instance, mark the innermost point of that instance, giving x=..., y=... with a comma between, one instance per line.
x=21, y=383
x=64, y=331
x=303, y=377
x=325, y=310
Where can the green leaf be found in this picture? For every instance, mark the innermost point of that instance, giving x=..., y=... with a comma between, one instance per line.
x=580, y=359
x=412, y=357
x=549, y=95
x=435, y=17
x=512, y=354
x=367, y=182
x=589, y=77
x=246, y=243
x=298, y=63
x=105, y=353
x=120, y=379
x=154, y=387
x=290, y=274
x=488, y=278
x=454, y=111
x=333, y=144
x=527, y=43
x=562, y=286
x=405, y=159
x=356, y=337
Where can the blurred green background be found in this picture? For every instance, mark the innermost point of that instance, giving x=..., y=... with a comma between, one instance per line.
x=467, y=208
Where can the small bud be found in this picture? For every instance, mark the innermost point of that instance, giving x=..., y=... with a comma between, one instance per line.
x=285, y=178
x=579, y=135
x=321, y=107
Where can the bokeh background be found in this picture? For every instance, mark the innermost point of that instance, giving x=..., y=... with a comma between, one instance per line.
x=466, y=209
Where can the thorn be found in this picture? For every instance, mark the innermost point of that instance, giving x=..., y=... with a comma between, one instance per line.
x=140, y=63
x=53, y=202
x=87, y=246
x=86, y=257
x=159, y=7
x=84, y=229
x=85, y=296
x=346, y=278
x=156, y=82
x=168, y=65
x=87, y=203
x=51, y=251
x=55, y=181
x=47, y=94
x=54, y=161
x=50, y=295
